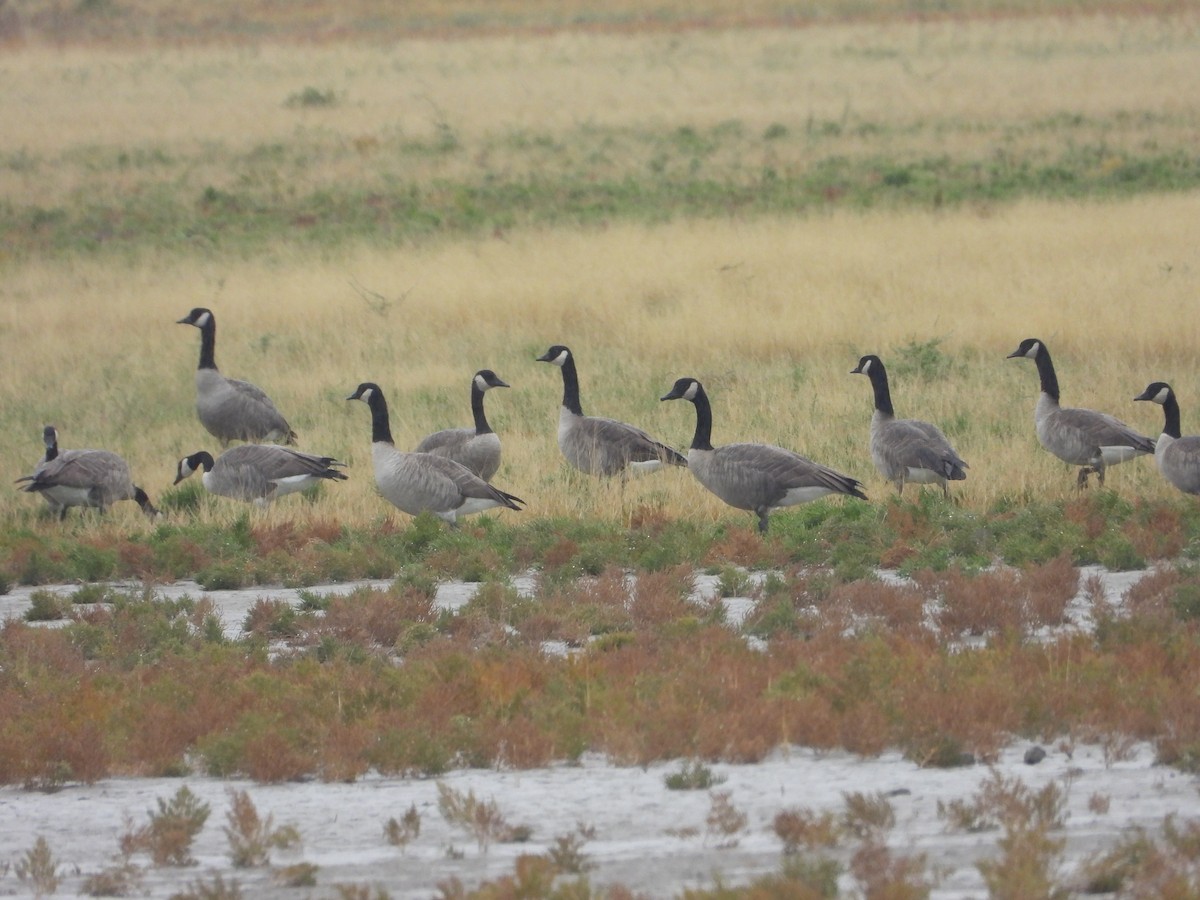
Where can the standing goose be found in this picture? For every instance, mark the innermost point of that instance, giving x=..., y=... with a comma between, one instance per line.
x=1177, y=457
x=416, y=482
x=231, y=410
x=906, y=450
x=95, y=478
x=757, y=477
x=1079, y=437
x=259, y=473
x=477, y=448
x=602, y=446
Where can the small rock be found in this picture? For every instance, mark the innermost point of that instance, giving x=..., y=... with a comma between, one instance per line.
x=1034, y=755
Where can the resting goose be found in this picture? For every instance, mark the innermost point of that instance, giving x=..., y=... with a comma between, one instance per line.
x=1079, y=437
x=417, y=482
x=88, y=478
x=757, y=477
x=905, y=450
x=1177, y=457
x=231, y=410
x=602, y=446
x=478, y=447
x=259, y=473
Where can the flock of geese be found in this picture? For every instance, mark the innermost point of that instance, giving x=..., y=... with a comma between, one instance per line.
x=449, y=473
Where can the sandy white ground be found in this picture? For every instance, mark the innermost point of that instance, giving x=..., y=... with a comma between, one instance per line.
x=647, y=837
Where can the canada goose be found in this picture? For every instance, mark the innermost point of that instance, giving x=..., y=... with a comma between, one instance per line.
x=231, y=410
x=757, y=477
x=95, y=478
x=602, y=446
x=1079, y=437
x=477, y=448
x=906, y=450
x=416, y=482
x=1177, y=457
x=259, y=473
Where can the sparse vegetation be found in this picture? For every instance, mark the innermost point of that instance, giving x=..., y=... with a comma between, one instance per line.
x=399, y=833
x=38, y=868
x=252, y=838
x=481, y=818
x=693, y=775
x=169, y=834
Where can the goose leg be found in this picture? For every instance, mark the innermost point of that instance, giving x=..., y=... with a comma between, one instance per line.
x=762, y=513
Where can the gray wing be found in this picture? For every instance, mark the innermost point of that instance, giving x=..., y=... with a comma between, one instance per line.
x=751, y=476
x=478, y=452
x=1102, y=430
x=445, y=442
x=912, y=443
x=239, y=410
x=248, y=472
x=467, y=484
x=606, y=446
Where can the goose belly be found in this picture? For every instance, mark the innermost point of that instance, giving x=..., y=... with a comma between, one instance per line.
x=63, y=495
x=922, y=476
x=293, y=484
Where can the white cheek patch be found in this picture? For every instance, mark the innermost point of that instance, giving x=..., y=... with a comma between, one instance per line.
x=1034, y=349
x=204, y=319
x=561, y=359
x=1162, y=395
x=481, y=383
x=866, y=367
x=367, y=395
x=690, y=393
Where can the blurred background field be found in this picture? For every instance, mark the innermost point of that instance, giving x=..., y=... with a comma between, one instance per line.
x=754, y=202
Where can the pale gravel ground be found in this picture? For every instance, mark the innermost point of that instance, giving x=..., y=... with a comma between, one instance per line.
x=646, y=837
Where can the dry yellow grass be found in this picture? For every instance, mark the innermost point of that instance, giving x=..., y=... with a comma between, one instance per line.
x=772, y=315
x=975, y=88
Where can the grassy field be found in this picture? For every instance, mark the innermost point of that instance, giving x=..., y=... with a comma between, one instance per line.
x=756, y=207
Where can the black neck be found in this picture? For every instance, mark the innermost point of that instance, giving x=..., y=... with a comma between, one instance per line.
x=208, y=343
x=702, y=440
x=571, y=387
x=879, y=382
x=1046, y=373
x=381, y=432
x=481, y=422
x=1171, y=414
x=143, y=500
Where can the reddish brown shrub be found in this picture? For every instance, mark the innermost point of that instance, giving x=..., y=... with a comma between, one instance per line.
x=991, y=601
x=1155, y=531
x=559, y=554
x=1087, y=513
x=269, y=755
x=267, y=616
x=341, y=754
x=864, y=603
x=373, y=617
x=741, y=547
x=661, y=597
x=1151, y=596
x=1048, y=589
